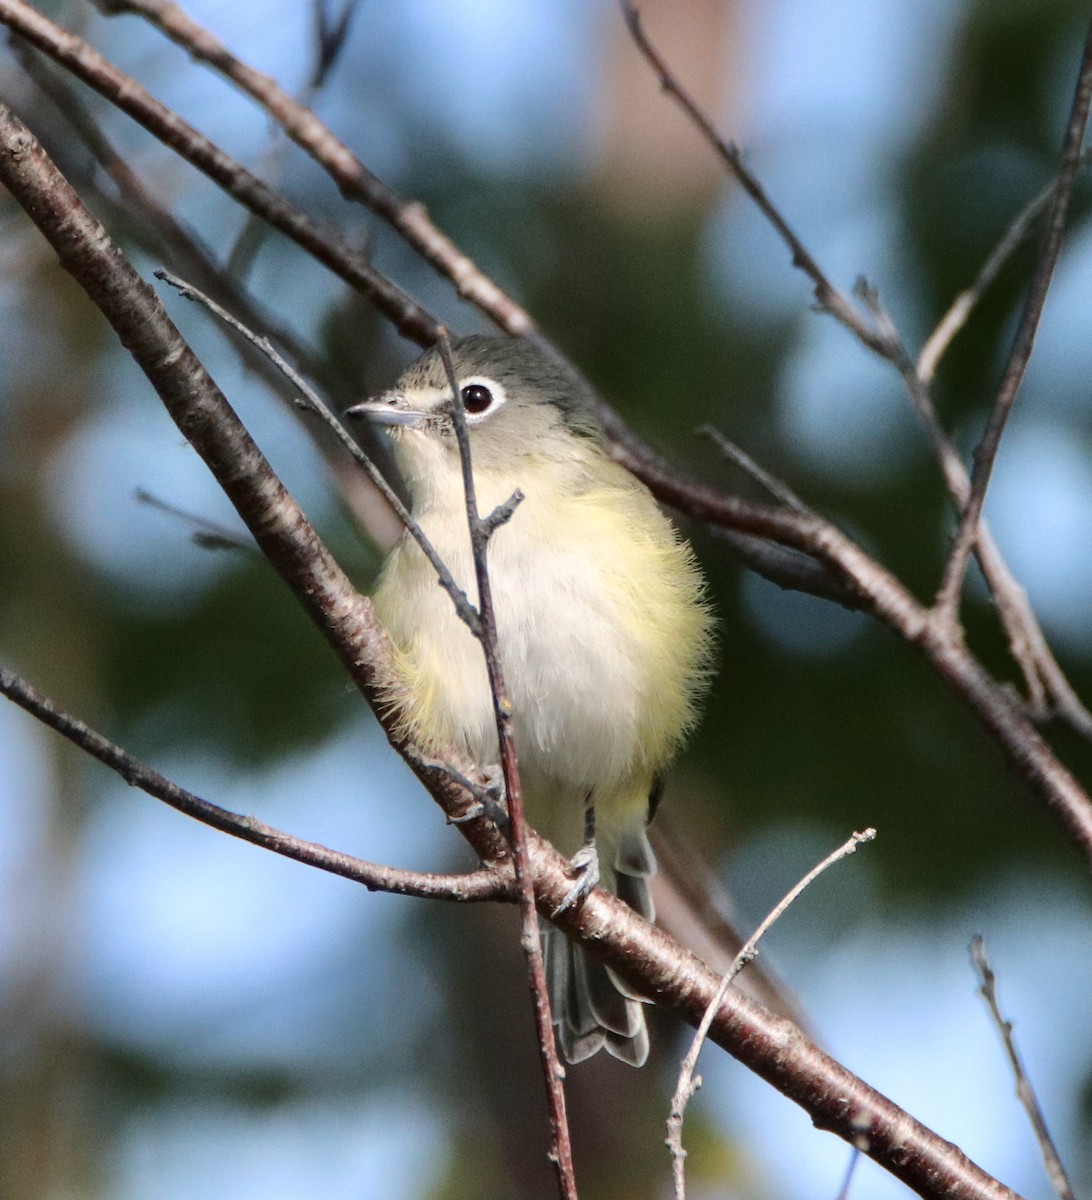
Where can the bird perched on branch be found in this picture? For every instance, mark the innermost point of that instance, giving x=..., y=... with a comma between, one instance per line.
x=603, y=633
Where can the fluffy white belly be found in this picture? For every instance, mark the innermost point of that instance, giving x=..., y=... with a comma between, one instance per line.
x=571, y=664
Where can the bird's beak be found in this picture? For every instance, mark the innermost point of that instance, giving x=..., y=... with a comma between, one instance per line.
x=387, y=409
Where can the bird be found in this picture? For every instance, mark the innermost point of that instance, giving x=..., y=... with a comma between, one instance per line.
x=603, y=626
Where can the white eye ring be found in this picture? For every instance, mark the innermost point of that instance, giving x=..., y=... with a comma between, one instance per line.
x=481, y=397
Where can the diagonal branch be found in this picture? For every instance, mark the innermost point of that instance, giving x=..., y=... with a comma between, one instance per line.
x=312, y=402
x=1025, y=1093
x=947, y=602
x=688, y=1083
x=328, y=247
x=963, y=305
x=828, y=297
x=486, y=883
x=356, y=182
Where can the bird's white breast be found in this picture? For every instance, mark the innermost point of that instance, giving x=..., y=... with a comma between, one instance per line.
x=571, y=670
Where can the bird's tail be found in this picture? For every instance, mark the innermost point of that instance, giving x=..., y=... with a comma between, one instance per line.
x=592, y=1008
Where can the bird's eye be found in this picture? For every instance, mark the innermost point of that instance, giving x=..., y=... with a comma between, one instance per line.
x=476, y=398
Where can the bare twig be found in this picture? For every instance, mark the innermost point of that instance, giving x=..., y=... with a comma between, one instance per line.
x=481, y=530
x=780, y=491
x=330, y=35
x=658, y=966
x=328, y=247
x=312, y=402
x=851, y=1171
x=1019, y=622
x=485, y=884
x=354, y=179
x=959, y=311
x=829, y=298
x=785, y=567
x=1026, y=639
x=947, y=602
x=791, y=570
x=205, y=533
x=1025, y=1093
x=688, y=1083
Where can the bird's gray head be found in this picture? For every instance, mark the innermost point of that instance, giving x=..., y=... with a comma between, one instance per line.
x=518, y=400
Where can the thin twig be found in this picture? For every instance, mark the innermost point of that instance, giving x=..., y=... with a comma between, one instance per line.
x=1025, y=1093
x=1019, y=622
x=959, y=311
x=328, y=247
x=829, y=298
x=312, y=402
x=780, y=491
x=330, y=37
x=851, y=1171
x=885, y=597
x=481, y=530
x=785, y=567
x=687, y=1083
x=947, y=602
x=206, y=534
x=356, y=182
x=791, y=570
x=329, y=41
x=488, y=883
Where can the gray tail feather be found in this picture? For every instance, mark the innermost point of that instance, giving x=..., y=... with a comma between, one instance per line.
x=593, y=1009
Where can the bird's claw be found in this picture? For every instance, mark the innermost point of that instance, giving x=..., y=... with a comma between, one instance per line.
x=585, y=865
x=489, y=800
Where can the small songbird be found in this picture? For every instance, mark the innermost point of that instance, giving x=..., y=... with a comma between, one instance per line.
x=603, y=631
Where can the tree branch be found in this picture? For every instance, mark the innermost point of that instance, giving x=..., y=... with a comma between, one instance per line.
x=328, y=247
x=356, y=182
x=483, y=884
x=481, y=531
x=829, y=298
x=688, y=1083
x=1025, y=1093
x=947, y=602
x=959, y=311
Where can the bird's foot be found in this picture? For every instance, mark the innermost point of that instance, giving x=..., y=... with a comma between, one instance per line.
x=488, y=794
x=585, y=865
x=489, y=799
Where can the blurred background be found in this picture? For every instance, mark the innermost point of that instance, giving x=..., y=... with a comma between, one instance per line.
x=184, y=1015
